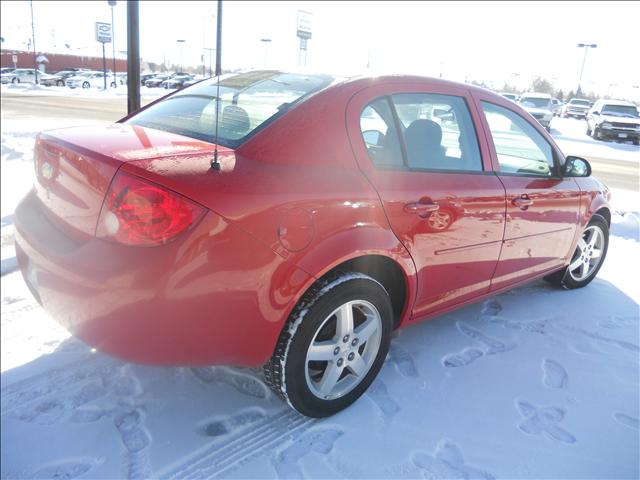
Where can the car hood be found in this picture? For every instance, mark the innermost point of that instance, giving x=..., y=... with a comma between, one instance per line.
x=536, y=110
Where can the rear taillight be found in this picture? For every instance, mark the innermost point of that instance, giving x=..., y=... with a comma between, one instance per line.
x=138, y=212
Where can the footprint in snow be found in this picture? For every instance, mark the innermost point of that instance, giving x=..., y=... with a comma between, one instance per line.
x=465, y=357
x=66, y=469
x=491, y=307
x=320, y=440
x=218, y=428
x=378, y=393
x=543, y=420
x=136, y=441
x=493, y=345
x=627, y=420
x=244, y=383
x=447, y=462
x=403, y=361
x=554, y=374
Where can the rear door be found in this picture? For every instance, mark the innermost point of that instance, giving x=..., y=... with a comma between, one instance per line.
x=417, y=144
x=542, y=207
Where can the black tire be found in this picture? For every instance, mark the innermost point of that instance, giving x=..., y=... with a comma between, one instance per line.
x=286, y=371
x=636, y=141
x=588, y=130
x=15, y=80
x=113, y=84
x=596, y=133
x=86, y=85
x=563, y=278
x=60, y=83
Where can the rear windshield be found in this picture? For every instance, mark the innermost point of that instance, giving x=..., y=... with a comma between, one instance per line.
x=248, y=101
x=586, y=103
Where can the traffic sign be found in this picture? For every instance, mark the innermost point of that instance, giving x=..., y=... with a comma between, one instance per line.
x=103, y=32
x=304, y=24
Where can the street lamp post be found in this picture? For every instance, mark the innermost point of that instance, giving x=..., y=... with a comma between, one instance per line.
x=266, y=42
x=586, y=47
x=180, y=42
x=112, y=3
x=210, y=60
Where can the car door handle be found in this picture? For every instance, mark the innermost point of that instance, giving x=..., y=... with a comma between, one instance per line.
x=419, y=207
x=522, y=202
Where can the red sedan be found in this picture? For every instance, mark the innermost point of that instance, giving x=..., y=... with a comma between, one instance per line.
x=334, y=212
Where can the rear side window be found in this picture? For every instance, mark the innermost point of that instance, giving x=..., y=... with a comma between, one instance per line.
x=520, y=148
x=421, y=131
x=438, y=132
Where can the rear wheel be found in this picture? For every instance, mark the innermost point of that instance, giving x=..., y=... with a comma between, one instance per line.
x=86, y=85
x=587, y=258
x=15, y=80
x=333, y=345
x=60, y=83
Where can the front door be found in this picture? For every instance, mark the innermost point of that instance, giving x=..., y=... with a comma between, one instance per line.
x=542, y=207
x=418, y=146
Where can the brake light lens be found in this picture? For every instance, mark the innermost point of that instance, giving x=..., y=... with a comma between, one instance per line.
x=142, y=213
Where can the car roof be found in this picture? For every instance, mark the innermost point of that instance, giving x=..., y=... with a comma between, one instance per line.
x=616, y=102
x=536, y=95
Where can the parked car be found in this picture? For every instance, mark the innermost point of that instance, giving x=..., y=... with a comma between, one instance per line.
x=291, y=230
x=614, y=120
x=18, y=75
x=176, y=81
x=576, y=107
x=194, y=80
x=49, y=80
x=57, y=79
x=157, y=80
x=557, y=106
x=90, y=80
x=540, y=106
x=147, y=76
x=6, y=70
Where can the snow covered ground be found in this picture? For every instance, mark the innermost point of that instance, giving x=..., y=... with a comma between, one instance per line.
x=534, y=383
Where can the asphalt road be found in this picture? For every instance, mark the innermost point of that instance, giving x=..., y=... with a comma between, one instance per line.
x=43, y=106
x=615, y=173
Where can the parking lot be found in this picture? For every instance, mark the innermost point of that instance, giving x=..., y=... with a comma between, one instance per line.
x=537, y=382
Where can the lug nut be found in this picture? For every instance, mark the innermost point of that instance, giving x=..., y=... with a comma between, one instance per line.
x=351, y=356
x=354, y=342
x=345, y=339
x=340, y=362
x=336, y=350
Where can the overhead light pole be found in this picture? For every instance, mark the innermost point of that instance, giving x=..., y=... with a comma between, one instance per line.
x=112, y=3
x=266, y=42
x=586, y=47
x=180, y=42
x=33, y=35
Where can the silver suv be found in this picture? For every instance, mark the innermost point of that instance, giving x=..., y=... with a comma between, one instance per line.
x=614, y=120
x=576, y=107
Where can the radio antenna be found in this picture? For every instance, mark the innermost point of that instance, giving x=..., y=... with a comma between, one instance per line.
x=215, y=164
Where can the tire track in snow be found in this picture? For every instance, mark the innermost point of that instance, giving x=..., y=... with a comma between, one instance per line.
x=234, y=450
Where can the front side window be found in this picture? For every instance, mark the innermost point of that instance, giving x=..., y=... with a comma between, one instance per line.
x=521, y=149
x=247, y=101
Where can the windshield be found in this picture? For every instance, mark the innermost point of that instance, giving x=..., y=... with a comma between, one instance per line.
x=247, y=102
x=585, y=103
x=535, y=102
x=623, y=109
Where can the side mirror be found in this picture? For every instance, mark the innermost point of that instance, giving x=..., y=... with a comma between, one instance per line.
x=576, y=167
x=595, y=113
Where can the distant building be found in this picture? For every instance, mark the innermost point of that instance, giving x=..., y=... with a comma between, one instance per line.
x=53, y=62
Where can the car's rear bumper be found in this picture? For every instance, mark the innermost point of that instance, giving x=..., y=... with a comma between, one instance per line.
x=213, y=296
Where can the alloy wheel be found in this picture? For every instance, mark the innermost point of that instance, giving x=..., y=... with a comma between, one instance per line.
x=343, y=349
x=588, y=254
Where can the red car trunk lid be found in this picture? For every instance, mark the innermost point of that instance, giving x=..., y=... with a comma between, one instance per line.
x=75, y=166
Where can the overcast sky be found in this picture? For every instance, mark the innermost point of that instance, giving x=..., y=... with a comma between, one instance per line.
x=491, y=41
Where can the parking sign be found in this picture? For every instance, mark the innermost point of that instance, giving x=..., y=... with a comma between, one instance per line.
x=103, y=32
